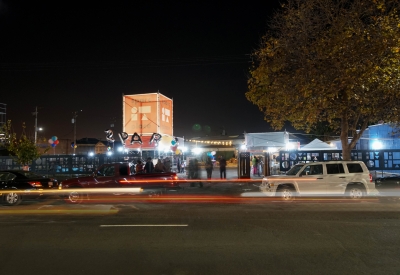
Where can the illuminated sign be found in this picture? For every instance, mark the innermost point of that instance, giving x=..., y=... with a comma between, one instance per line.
x=146, y=114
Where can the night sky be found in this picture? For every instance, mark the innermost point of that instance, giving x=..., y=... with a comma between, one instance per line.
x=69, y=56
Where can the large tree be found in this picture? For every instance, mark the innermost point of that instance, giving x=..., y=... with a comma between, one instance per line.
x=329, y=61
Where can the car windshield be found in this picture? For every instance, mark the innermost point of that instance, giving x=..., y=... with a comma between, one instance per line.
x=30, y=175
x=295, y=169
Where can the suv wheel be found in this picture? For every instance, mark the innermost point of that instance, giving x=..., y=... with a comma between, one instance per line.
x=355, y=192
x=287, y=193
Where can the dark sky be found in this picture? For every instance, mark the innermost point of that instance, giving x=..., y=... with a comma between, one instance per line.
x=66, y=56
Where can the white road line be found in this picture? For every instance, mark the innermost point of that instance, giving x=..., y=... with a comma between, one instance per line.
x=141, y=225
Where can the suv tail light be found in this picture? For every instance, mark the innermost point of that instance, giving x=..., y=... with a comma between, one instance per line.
x=35, y=183
x=370, y=177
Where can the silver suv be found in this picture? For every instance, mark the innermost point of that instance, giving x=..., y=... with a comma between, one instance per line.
x=333, y=178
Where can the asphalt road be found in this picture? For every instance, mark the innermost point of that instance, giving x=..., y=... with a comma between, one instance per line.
x=209, y=230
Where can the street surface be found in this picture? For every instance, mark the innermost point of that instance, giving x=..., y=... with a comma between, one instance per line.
x=211, y=230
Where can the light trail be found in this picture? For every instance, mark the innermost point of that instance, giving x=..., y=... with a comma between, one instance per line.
x=214, y=199
x=144, y=225
x=133, y=190
x=58, y=211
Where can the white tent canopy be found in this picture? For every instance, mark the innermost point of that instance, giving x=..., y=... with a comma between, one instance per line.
x=270, y=139
x=317, y=144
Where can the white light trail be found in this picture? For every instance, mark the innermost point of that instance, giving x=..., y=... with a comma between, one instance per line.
x=143, y=225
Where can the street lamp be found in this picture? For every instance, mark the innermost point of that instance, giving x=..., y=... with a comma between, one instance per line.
x=38, y=129
x=377, y=145
x=197, y=150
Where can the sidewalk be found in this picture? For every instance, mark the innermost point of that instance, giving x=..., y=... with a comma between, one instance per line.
x=231, y=174
x=231, y=178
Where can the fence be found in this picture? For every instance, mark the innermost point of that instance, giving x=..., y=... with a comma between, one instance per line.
x=65, y=165
x=378, y=161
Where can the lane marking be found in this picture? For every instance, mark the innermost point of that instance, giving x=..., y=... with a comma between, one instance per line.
x=142, y=225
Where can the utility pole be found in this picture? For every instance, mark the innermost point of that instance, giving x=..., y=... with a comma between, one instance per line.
x=36, y=129
x=74, y=116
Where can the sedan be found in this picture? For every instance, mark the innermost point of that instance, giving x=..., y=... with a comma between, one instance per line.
x=18, y=185
x=388, y=186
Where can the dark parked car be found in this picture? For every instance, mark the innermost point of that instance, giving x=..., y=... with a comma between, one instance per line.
x=388, y=186
x=117, y=179
x=18, y=185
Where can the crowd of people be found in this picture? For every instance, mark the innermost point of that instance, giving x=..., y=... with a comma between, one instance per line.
x=165, y=165
x=193, y=169
x=162, y=165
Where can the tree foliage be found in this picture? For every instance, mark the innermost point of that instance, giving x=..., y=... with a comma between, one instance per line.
x=334, y=61
x=23, y=149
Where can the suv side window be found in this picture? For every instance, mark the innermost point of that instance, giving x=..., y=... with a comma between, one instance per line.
x=354, y=168
x=312, y=170
x=336, y=168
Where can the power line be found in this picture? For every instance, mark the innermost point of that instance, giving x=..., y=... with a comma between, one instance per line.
x=177, y=62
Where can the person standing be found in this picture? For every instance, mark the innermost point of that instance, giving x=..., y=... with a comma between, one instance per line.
x=191, y=169
x=183, y=165
x=178, y=164
x=149, y=167
x=222, y=167
x=160, y=167
x=254, y=163
x=209, y=167
x=260, y=166
x=167, y=164
x=139, y=167
x=196, y=171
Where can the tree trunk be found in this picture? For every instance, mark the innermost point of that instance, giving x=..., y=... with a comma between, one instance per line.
x=344, y=137
x=346, y=151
